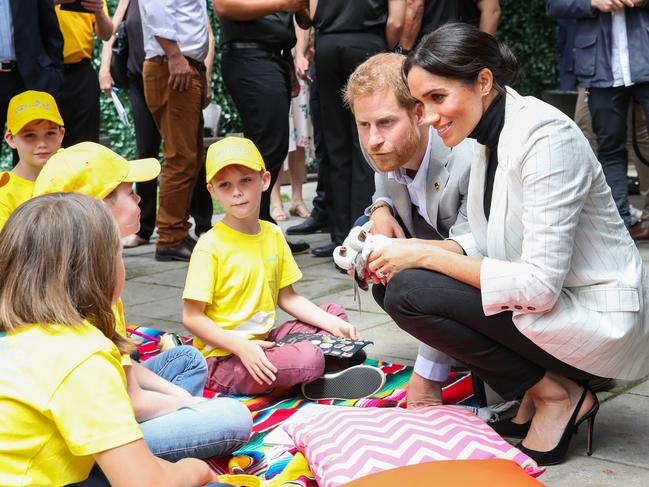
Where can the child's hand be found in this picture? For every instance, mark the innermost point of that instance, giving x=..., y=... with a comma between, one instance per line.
x=251, y=353
x=345, y=329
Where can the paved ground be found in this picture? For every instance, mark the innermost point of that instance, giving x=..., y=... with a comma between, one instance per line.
x=621, y=456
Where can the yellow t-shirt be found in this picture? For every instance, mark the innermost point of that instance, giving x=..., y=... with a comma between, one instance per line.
x=14, y=193
x=62, y=399
x=120, y=327
x=78, y=29
x=239, y=277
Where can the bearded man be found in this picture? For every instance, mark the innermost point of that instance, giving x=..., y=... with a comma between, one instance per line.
x=421, y=184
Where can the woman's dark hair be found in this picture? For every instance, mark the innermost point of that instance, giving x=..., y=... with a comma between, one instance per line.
x=460, y=51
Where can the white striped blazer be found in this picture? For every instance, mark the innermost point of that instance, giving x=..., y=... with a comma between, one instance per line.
x=555, y=250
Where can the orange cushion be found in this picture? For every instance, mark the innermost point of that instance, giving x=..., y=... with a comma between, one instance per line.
x=451, y=473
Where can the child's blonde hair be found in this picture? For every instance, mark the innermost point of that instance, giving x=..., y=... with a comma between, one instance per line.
x=58, y=265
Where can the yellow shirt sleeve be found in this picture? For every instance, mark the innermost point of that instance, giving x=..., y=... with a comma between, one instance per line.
x=289, y=272
x=91, y=407
x=201, y=276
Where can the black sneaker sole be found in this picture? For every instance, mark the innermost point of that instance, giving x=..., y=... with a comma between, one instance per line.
x=353, y=383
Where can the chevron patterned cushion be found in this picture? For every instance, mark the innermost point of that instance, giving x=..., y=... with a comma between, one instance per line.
x=348, y=443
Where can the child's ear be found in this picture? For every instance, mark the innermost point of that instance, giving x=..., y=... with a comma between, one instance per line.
x=210, y=190
x=61, y=132
x=9, y=138
x=265, y=181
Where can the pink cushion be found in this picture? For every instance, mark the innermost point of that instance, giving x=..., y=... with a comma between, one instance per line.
x=348, y=443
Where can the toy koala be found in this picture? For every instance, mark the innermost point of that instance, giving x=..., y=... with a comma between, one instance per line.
x=355, y=250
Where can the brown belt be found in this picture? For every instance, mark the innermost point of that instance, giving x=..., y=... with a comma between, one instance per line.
x=192, y=62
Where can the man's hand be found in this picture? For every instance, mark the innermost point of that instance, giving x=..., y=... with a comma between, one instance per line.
x=180, y=73
x=253, y=357
x=94, y=6
x=612, y=5
x=383, y=223
x=294, y=5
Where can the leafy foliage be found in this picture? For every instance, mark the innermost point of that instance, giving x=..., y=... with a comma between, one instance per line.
x=525, y=28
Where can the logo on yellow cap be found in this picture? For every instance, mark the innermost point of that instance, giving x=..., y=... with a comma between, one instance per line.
x=29, y=106
x=230, y=151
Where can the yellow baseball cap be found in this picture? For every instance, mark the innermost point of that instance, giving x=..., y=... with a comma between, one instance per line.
x=232, y=150
x=29, y=106
x=91, y=169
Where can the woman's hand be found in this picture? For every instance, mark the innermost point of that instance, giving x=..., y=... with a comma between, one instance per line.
x=105, y=81
x=253, y=357
x=401, y=254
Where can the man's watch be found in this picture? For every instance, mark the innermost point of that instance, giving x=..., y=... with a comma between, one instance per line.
x=399, y=49
x=378, y=204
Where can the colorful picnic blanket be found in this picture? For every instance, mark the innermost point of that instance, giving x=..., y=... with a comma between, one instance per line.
x=268, y=412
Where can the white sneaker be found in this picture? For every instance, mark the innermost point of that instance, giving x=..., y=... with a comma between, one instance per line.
x=355, y=382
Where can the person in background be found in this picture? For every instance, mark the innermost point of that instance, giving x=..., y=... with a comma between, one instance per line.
x=78, y=99
x=612, y=65
x=424, y=16
x=176, y=43
x=345, y=37
x=31, y=50
x=147, y=137
x=300, y=137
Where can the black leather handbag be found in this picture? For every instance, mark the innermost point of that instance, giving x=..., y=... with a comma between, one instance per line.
x=119, y=59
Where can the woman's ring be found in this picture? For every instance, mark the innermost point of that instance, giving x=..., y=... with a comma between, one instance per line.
x=381, y=274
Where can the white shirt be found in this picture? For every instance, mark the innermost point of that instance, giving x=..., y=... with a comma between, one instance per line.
x=7, y=51
x=620, y=50
x=183, y=21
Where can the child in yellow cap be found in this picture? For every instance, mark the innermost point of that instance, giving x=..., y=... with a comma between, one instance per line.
x=239, y=272
x=160, y=388
x=35, y=130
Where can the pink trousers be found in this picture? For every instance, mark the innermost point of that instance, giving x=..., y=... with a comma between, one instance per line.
x=297, y=363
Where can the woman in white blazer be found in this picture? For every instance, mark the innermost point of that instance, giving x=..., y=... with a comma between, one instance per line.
x=548, y=289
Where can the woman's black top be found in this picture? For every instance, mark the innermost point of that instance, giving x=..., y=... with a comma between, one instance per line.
x=487, y=132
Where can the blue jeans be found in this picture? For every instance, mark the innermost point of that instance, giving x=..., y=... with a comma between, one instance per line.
x=214, y=427
x=183, y=366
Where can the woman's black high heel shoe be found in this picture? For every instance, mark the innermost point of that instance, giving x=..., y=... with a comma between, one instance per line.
x=506, y=427
x=557, y=454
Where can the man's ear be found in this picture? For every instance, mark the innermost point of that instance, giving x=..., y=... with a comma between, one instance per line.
x=419, y=113
x=9, y=138
x=265, y=181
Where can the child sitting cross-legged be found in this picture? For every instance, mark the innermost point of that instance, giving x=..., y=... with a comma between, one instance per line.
x=239, y=272
x=63, y=399
x=35, y=130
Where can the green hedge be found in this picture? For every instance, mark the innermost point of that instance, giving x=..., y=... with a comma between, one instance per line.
x=524, y=27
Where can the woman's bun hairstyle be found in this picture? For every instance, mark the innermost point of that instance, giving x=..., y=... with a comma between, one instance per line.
x=460, y=51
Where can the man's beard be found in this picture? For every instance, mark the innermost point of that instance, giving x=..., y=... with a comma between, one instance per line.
x=400, y=154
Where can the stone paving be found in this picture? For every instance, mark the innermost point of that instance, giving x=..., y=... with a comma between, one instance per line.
x=152, y=297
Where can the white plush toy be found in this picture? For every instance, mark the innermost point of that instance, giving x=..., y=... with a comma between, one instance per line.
x=356, y=248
